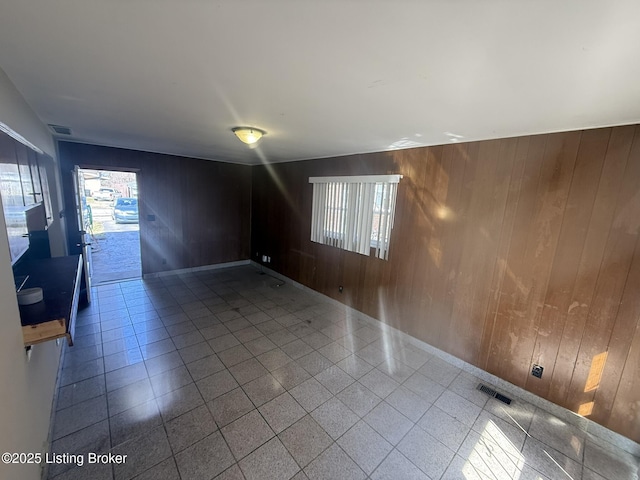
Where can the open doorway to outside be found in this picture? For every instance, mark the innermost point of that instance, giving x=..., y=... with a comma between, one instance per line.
x=110, y=210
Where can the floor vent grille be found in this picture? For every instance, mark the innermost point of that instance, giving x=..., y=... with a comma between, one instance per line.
x=492, y=393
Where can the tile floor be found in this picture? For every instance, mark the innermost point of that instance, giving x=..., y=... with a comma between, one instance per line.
x=223, y=374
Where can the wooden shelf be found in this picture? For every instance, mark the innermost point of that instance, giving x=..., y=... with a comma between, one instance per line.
x=55, y=316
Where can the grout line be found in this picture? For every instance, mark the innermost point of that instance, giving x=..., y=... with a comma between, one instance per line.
x=558, y=465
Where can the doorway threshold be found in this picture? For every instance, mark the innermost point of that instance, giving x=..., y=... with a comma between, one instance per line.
x=109, y=277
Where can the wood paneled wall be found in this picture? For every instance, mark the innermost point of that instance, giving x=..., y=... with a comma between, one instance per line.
x=504, y=253
x=201, y=207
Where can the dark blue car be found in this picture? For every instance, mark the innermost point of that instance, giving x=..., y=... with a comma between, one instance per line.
x=126, y=210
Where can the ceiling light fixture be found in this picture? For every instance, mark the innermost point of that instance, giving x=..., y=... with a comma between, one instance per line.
x=248, y=135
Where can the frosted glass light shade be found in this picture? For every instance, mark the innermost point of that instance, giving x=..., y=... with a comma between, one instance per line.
x=248, y=135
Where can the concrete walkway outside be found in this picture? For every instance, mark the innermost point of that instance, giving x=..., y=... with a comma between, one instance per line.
x=115, y=248
x=115, y=256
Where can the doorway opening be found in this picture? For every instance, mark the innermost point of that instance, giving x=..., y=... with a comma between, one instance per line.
x=110, y=216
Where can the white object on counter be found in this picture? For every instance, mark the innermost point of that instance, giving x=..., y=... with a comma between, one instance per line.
x=29, y=296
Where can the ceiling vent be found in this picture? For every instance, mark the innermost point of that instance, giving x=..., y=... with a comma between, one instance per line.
x=60, y=130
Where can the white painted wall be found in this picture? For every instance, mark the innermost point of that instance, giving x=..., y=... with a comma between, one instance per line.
x=26, y=387
x=17, y=114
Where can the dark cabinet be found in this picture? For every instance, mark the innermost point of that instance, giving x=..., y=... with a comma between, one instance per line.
x=26, y=180
x=44, y=185
x=10, y=184
x=23, y=188
x=35, y=176
x=23, y=175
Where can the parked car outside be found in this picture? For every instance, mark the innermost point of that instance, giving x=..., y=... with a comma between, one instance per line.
x=106, y=194
x=125, y=210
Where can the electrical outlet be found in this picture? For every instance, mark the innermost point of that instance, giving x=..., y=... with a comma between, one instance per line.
x=536, y=371
x=340, y=288
x=268, y=259
x=264, y=259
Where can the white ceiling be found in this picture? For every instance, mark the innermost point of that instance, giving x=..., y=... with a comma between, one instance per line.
x=322, y=77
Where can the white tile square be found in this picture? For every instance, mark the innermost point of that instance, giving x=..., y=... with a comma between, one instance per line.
x=334, y=417
x=310, y=394
x=359, y=398
x=305, y=440
x=246, y=434
x=271, y=461
x=282, y=412
x=424, y=451
x=397, y=466
x=388, y=422
x=365, y=446
x=334, y=379
x=334, y=464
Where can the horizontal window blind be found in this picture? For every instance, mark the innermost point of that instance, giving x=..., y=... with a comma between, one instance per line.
x=354, y=213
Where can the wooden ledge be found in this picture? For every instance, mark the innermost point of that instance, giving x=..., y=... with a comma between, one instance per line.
x=55, y=316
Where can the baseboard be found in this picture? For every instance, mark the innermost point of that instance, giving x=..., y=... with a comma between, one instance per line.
x=180, y=271
x=584, y=424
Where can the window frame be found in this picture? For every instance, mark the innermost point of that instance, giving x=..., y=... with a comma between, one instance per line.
x=344, y=209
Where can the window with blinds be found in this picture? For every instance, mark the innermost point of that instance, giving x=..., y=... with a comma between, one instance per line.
x=354, y=213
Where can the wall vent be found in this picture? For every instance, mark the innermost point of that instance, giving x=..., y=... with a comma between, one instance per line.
x=492, y=393
x=60, y=130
